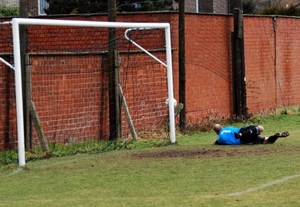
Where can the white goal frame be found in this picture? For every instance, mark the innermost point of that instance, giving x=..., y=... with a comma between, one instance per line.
x=16, y=22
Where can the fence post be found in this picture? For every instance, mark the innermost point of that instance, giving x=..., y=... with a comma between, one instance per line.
x=238, y=63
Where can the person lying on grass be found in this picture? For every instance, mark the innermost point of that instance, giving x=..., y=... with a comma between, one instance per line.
x=244, y=135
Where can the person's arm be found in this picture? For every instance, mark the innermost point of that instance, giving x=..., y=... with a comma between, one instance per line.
x=216, y=142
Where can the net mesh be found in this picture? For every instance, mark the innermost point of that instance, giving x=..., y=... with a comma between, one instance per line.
x=7, y=91
x=70, y=84
x=70, y=87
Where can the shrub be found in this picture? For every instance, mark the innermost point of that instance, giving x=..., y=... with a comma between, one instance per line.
x=6, y=11
x=292, y=10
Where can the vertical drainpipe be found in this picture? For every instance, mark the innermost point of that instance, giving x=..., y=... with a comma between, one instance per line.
x=182, y=70
x=277, y=83
x=275, y=54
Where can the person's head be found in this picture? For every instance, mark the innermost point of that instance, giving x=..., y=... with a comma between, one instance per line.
x=261, y=129
x=218, y=128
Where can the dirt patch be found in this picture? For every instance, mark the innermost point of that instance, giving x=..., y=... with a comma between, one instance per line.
x=223, y=151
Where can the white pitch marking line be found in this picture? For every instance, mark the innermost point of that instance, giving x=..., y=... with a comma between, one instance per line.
x=264, y=185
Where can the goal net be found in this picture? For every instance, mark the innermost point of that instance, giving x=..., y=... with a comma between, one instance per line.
x=69, y=77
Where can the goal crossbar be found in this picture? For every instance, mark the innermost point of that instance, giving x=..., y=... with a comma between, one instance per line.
x=16, y=22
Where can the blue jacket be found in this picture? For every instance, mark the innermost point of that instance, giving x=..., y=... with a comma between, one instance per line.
x=226, y=136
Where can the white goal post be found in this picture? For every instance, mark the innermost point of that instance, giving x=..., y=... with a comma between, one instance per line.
x=16, y=22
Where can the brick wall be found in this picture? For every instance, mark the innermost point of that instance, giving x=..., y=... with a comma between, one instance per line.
x=259, y=59
x=33, y=7
x=190, y=6
x=10, y=2
x=287, y=63
x=221, y=7
x=271, y=62
x=215, y=6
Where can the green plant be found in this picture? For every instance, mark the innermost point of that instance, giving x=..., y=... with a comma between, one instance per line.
x=292, y=10
x=6, y=11
x=249, y=7
x=89, y=147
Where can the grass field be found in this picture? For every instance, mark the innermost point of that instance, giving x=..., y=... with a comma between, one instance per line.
x=192, y=173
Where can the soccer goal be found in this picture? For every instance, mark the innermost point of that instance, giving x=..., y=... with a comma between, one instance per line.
x=69, y=85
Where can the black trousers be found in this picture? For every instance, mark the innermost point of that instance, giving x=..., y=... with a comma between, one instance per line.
x=250, y=135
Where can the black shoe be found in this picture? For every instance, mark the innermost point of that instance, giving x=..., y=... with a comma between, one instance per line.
x=283, y=134
x=237, y=135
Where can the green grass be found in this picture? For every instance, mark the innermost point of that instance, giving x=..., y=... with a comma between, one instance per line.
x=192, y=173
